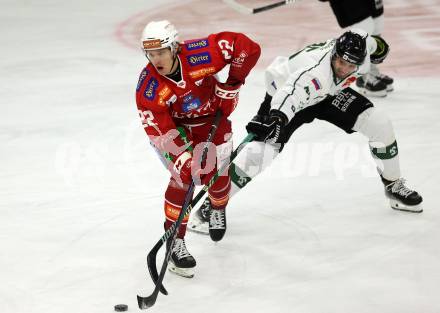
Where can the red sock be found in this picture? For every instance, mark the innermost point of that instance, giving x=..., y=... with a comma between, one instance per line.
x=219, y=193
x=174, y=198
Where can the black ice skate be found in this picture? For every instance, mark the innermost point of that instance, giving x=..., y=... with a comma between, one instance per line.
x=401, y=197
x=217, y=224
x=200, y=218
x=181, y=262
x=371, y=86
x=387, y=80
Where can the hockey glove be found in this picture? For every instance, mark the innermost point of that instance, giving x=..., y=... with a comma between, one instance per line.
x=268, y=128
x=381, y=52
x=227, y=97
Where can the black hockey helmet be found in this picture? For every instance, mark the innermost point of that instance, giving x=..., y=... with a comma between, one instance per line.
x=351, y=47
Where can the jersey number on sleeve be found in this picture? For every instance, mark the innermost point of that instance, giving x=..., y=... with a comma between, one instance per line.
x=226, y=48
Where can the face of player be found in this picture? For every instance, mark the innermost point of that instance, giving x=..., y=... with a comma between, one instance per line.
x=163, y=60
x=343, y=68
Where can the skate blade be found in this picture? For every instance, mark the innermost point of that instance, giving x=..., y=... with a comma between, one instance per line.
x=184, y=272
x=396, y=205
x=390, y=88
x=198, y=226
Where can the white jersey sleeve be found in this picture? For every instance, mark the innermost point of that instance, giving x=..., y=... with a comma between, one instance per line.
x=276, y=74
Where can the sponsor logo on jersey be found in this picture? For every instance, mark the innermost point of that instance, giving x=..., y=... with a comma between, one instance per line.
x=238, y=61
x=349, y=81
x=202, y=72
x=171, y=100
x=150, y=90
x=200, y=58
x=152, y=44
x=141, y=79
x=196, y=44
x=187, y=98
x=316, y=83
x=190, y=103
x=343, y=100
x=163, y=94
x=171, y=211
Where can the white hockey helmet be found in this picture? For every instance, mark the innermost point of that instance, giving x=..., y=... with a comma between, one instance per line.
x=159, y=35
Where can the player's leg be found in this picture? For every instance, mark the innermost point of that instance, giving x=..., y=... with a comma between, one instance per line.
x=255, y=157
x=218, y=194
x=374, y=83
x=378, y=20
x=181, y=261
x=353, y=112
x=376, y=125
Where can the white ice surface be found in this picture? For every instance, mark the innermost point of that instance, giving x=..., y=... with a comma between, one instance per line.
x=81, y=191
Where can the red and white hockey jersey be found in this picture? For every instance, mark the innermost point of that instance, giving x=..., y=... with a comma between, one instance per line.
x=164, y=104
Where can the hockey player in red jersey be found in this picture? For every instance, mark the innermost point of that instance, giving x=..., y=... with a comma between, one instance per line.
x=177, y=97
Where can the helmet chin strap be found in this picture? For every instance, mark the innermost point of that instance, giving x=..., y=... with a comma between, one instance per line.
x=174, y=62
x=174, y=52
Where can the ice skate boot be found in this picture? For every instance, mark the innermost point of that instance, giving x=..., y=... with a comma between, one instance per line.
x=370, y=86
x=199, y=221
x=217, y=224
x=401, y=197
x=181, y=261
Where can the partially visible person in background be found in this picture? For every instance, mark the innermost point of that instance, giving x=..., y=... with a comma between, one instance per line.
x=367, y=15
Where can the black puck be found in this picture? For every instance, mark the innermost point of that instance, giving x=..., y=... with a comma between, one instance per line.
x=121, y=307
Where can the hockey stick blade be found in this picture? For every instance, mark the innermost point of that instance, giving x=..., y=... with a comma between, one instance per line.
x=148, y=302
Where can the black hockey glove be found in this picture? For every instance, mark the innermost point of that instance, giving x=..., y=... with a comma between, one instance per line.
x=268, y=128
x=381, y=52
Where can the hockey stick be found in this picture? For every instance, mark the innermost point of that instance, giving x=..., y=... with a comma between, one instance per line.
x=145, y=302
x=246, y=10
